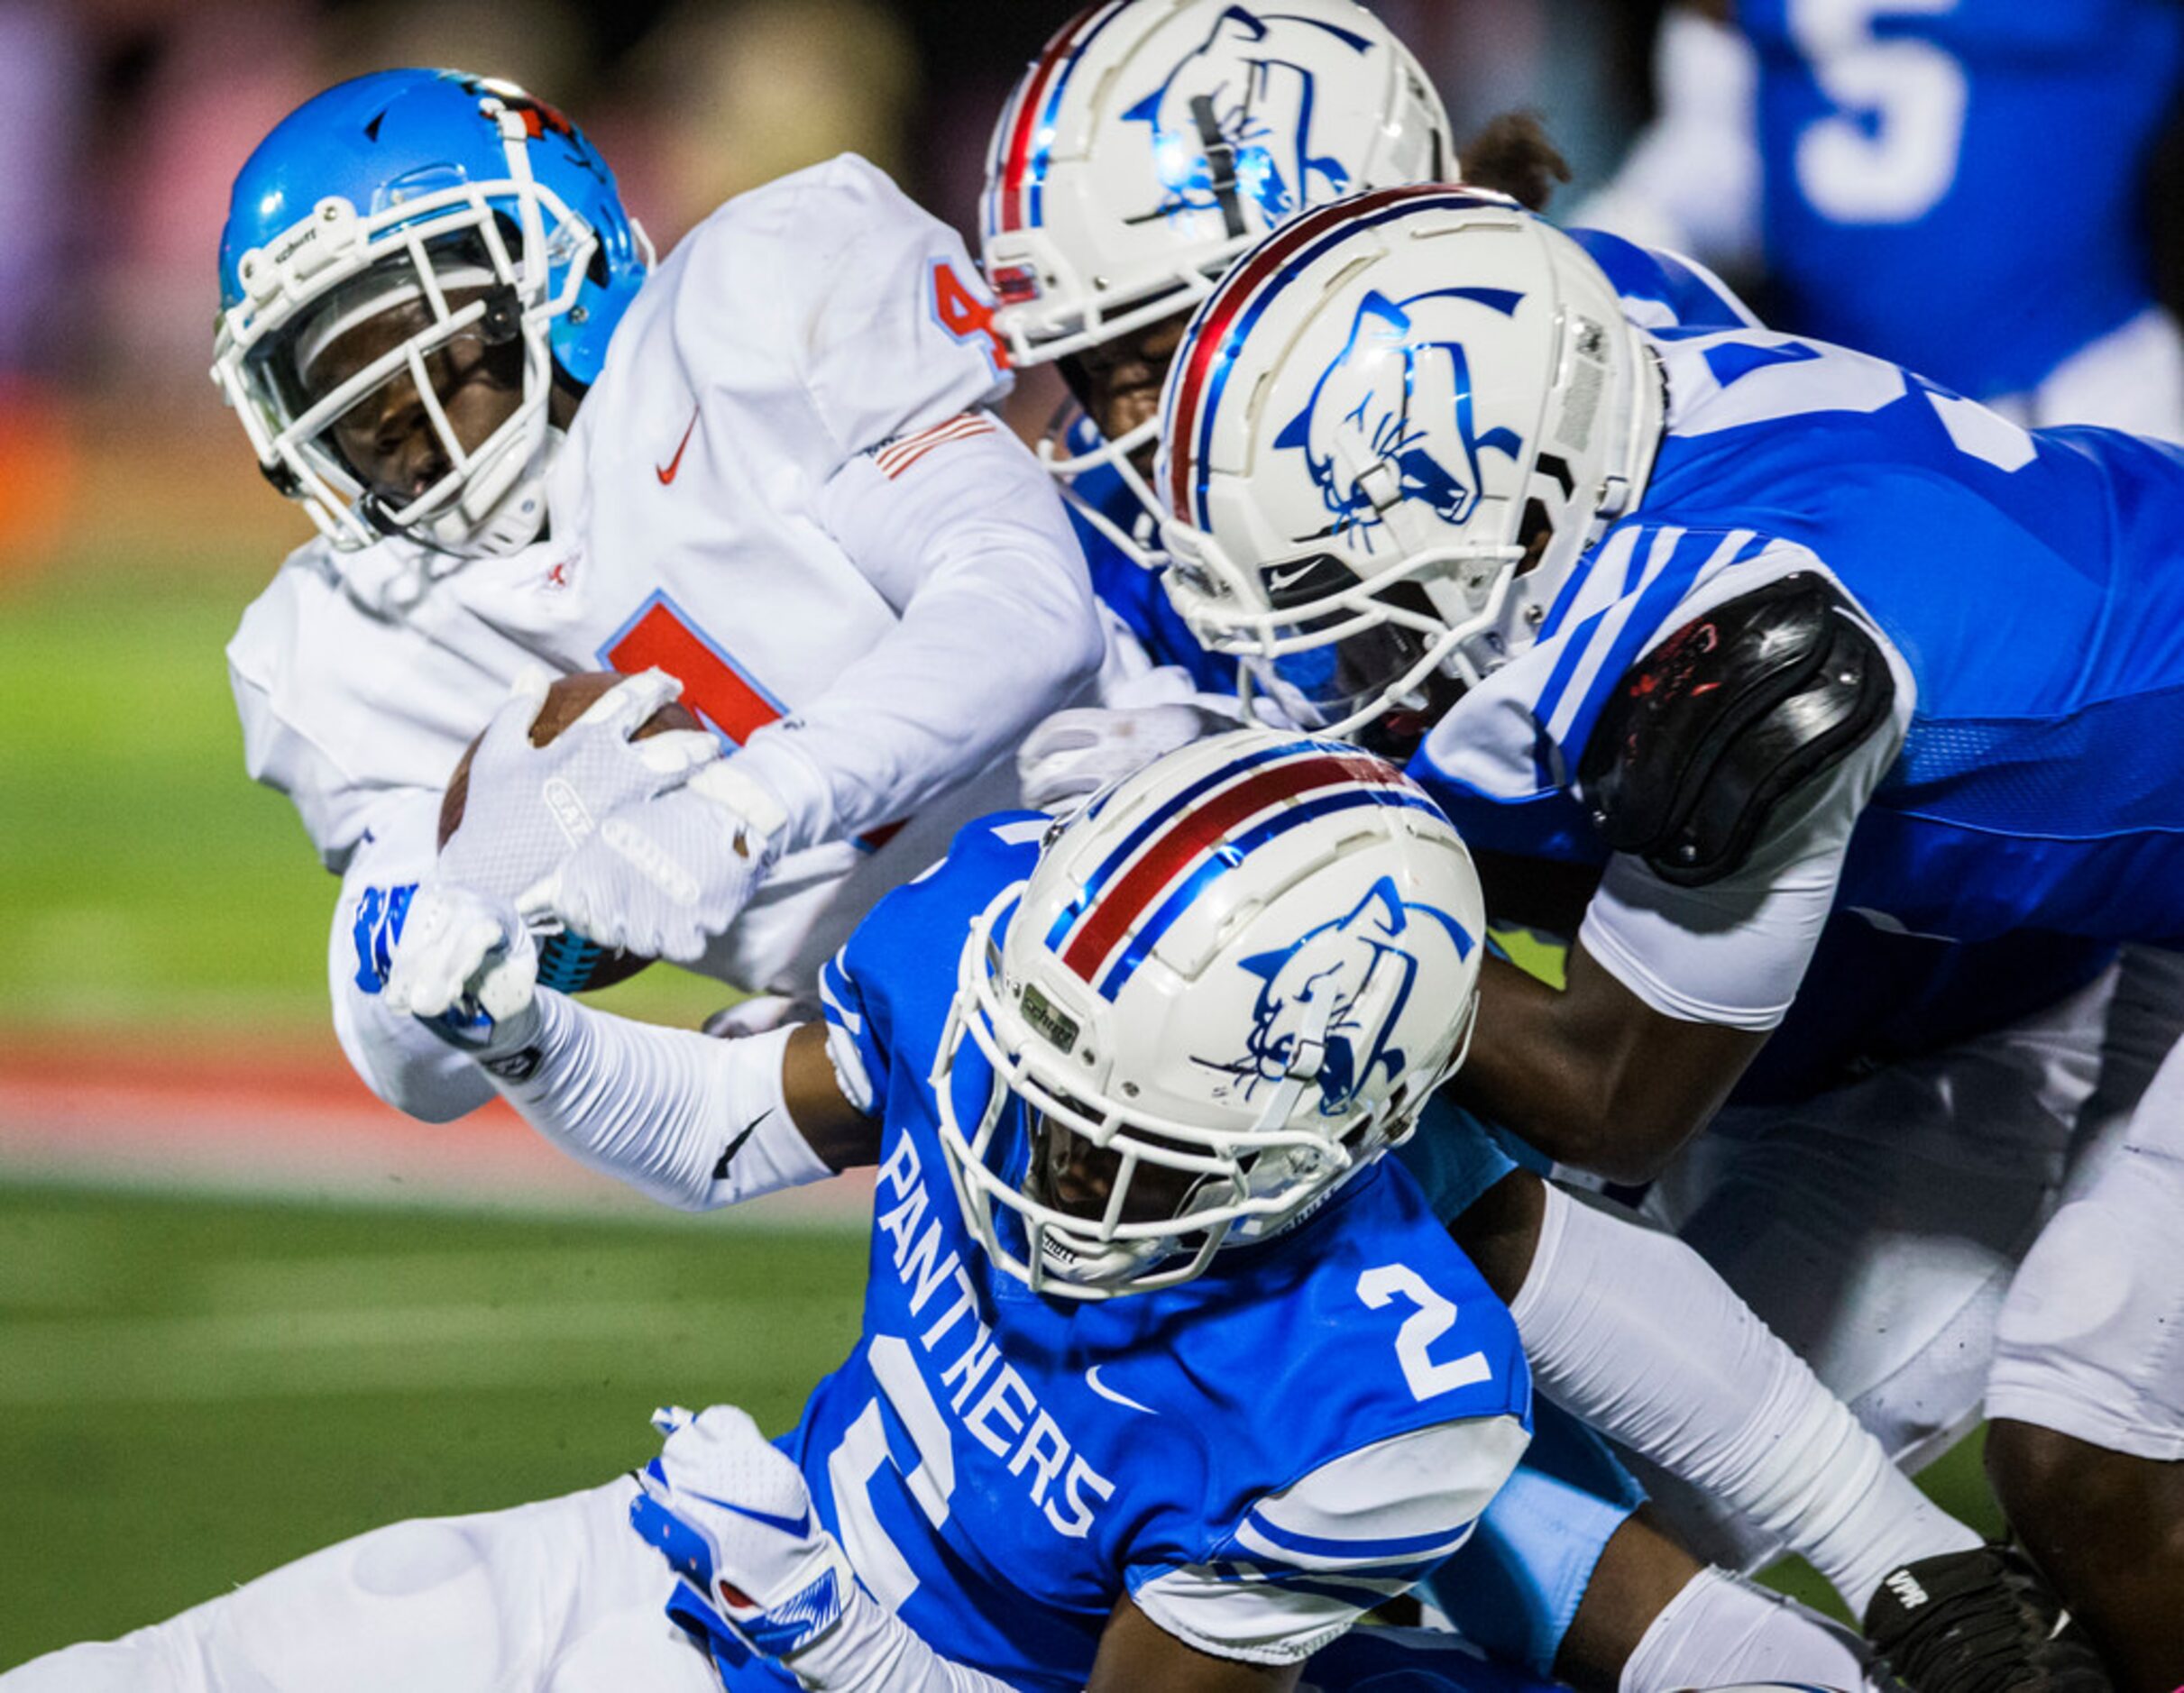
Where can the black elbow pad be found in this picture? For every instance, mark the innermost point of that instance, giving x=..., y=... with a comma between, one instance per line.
x=1710, y=731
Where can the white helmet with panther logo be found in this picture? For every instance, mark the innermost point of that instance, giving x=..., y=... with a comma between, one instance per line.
x=1230, y=982
x=1388, y=438
x=1154, y=141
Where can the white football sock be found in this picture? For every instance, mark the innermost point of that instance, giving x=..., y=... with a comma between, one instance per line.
x=1722, y=1631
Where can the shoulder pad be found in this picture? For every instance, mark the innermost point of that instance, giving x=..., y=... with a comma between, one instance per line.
x=1712, y=729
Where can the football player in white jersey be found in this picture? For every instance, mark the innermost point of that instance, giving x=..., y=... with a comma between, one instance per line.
x=766, y=464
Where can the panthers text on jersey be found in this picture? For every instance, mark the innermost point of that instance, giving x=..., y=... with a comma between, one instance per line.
x=1256, y=1457
x=785, y=489
x=2018, y=582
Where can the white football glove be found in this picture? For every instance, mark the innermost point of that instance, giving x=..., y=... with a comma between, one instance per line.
x=662, y=875
x=1073, y=754
x=527, y=806
x=467, y=968
x=733, y=1516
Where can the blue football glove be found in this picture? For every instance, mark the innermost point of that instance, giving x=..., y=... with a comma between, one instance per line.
x=733, y=1518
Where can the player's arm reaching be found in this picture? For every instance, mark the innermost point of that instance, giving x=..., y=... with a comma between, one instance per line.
x=888, y=365
x=1728, y=766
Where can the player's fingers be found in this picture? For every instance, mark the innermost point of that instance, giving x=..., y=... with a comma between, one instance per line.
x=526, y=695
x=509, y=985
x=677, y=752
x=540, y=902
x=628, y=703
x=1065, y=731
x=668, y=1418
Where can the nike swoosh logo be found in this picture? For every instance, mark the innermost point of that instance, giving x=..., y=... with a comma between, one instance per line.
x=797, y=1525
x=675, y=463
x=1100, y=1388
x=736, y=1146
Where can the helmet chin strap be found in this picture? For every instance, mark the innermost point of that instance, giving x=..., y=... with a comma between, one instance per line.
x=390, y=578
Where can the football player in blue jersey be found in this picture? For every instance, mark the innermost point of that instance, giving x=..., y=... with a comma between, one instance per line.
x=1748, y=630
x=1899, y=169
x=1155, y=1051
x=1111, y=207
x=1092, y=282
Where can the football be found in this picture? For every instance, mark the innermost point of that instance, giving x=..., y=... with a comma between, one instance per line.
x=567, y=961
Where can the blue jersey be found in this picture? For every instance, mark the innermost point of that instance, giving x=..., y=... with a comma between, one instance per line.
x=1955, y=184
x=2028, y=583
x=1001, y=1467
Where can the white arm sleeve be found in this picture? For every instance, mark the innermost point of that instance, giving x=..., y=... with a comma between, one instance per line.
x=1690, y=181
x=685, y=1119
x=1733, y=951
x=1634, y=1333
x=998, y=629
x=399, y=1058
x=1310, y=1560
x=872, y=1651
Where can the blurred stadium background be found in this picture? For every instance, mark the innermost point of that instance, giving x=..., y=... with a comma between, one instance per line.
x=245, y=1310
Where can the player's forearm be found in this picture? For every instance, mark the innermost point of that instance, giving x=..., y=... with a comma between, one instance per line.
x=1636, y=1334
x=1590, y=1075
x=872, y=1651
x=688, y=1120
x=998, y=629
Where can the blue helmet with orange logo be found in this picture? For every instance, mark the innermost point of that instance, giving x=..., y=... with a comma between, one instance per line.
x=483, y=212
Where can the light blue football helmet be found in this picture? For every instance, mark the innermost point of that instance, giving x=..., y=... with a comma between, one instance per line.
x=486, y=215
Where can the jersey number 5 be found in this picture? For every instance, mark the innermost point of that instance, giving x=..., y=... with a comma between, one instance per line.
x=1432, y=1317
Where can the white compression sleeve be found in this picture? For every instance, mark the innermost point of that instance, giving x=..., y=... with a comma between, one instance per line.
x=1635, y=1332
x=1721, y=1630
x=690, y=1121
x=872, y=1651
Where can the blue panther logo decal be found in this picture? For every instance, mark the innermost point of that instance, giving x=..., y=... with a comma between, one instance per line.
x=1389, y=398
x=1361, y=967
x=1223, y=133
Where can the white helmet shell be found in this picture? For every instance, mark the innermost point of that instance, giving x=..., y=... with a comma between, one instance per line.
x=1240, y=974
x=1154, y=141
x=1379, y=412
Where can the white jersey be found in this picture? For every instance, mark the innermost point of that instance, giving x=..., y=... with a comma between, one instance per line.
x=786, y=490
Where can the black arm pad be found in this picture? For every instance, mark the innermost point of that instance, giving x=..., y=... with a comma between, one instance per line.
x=1708, y=732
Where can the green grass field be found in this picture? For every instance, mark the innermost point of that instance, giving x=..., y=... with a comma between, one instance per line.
x=193, y=1390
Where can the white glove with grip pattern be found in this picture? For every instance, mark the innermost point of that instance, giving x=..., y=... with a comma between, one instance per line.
x=733, y=1516
x=467, y=968
x=527, y=806
x=662, y=875
x=1074, y=753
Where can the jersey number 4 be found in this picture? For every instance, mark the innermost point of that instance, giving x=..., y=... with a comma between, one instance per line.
x=965, y=314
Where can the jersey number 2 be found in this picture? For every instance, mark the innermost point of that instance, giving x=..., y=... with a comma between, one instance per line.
x=1432, y=1318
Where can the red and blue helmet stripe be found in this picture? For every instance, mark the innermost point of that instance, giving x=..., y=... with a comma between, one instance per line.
x=1160, y=869
x=1024, y=140
x=1228, y=316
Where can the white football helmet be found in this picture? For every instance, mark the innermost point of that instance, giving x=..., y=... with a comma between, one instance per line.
x=1372, y=424
x=1154, y=141
x=1237, y=976
x=478, y=209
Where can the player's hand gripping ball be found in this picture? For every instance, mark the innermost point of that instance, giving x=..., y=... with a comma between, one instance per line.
x=468, y=968
x=733, y=1518
x=555, y=759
